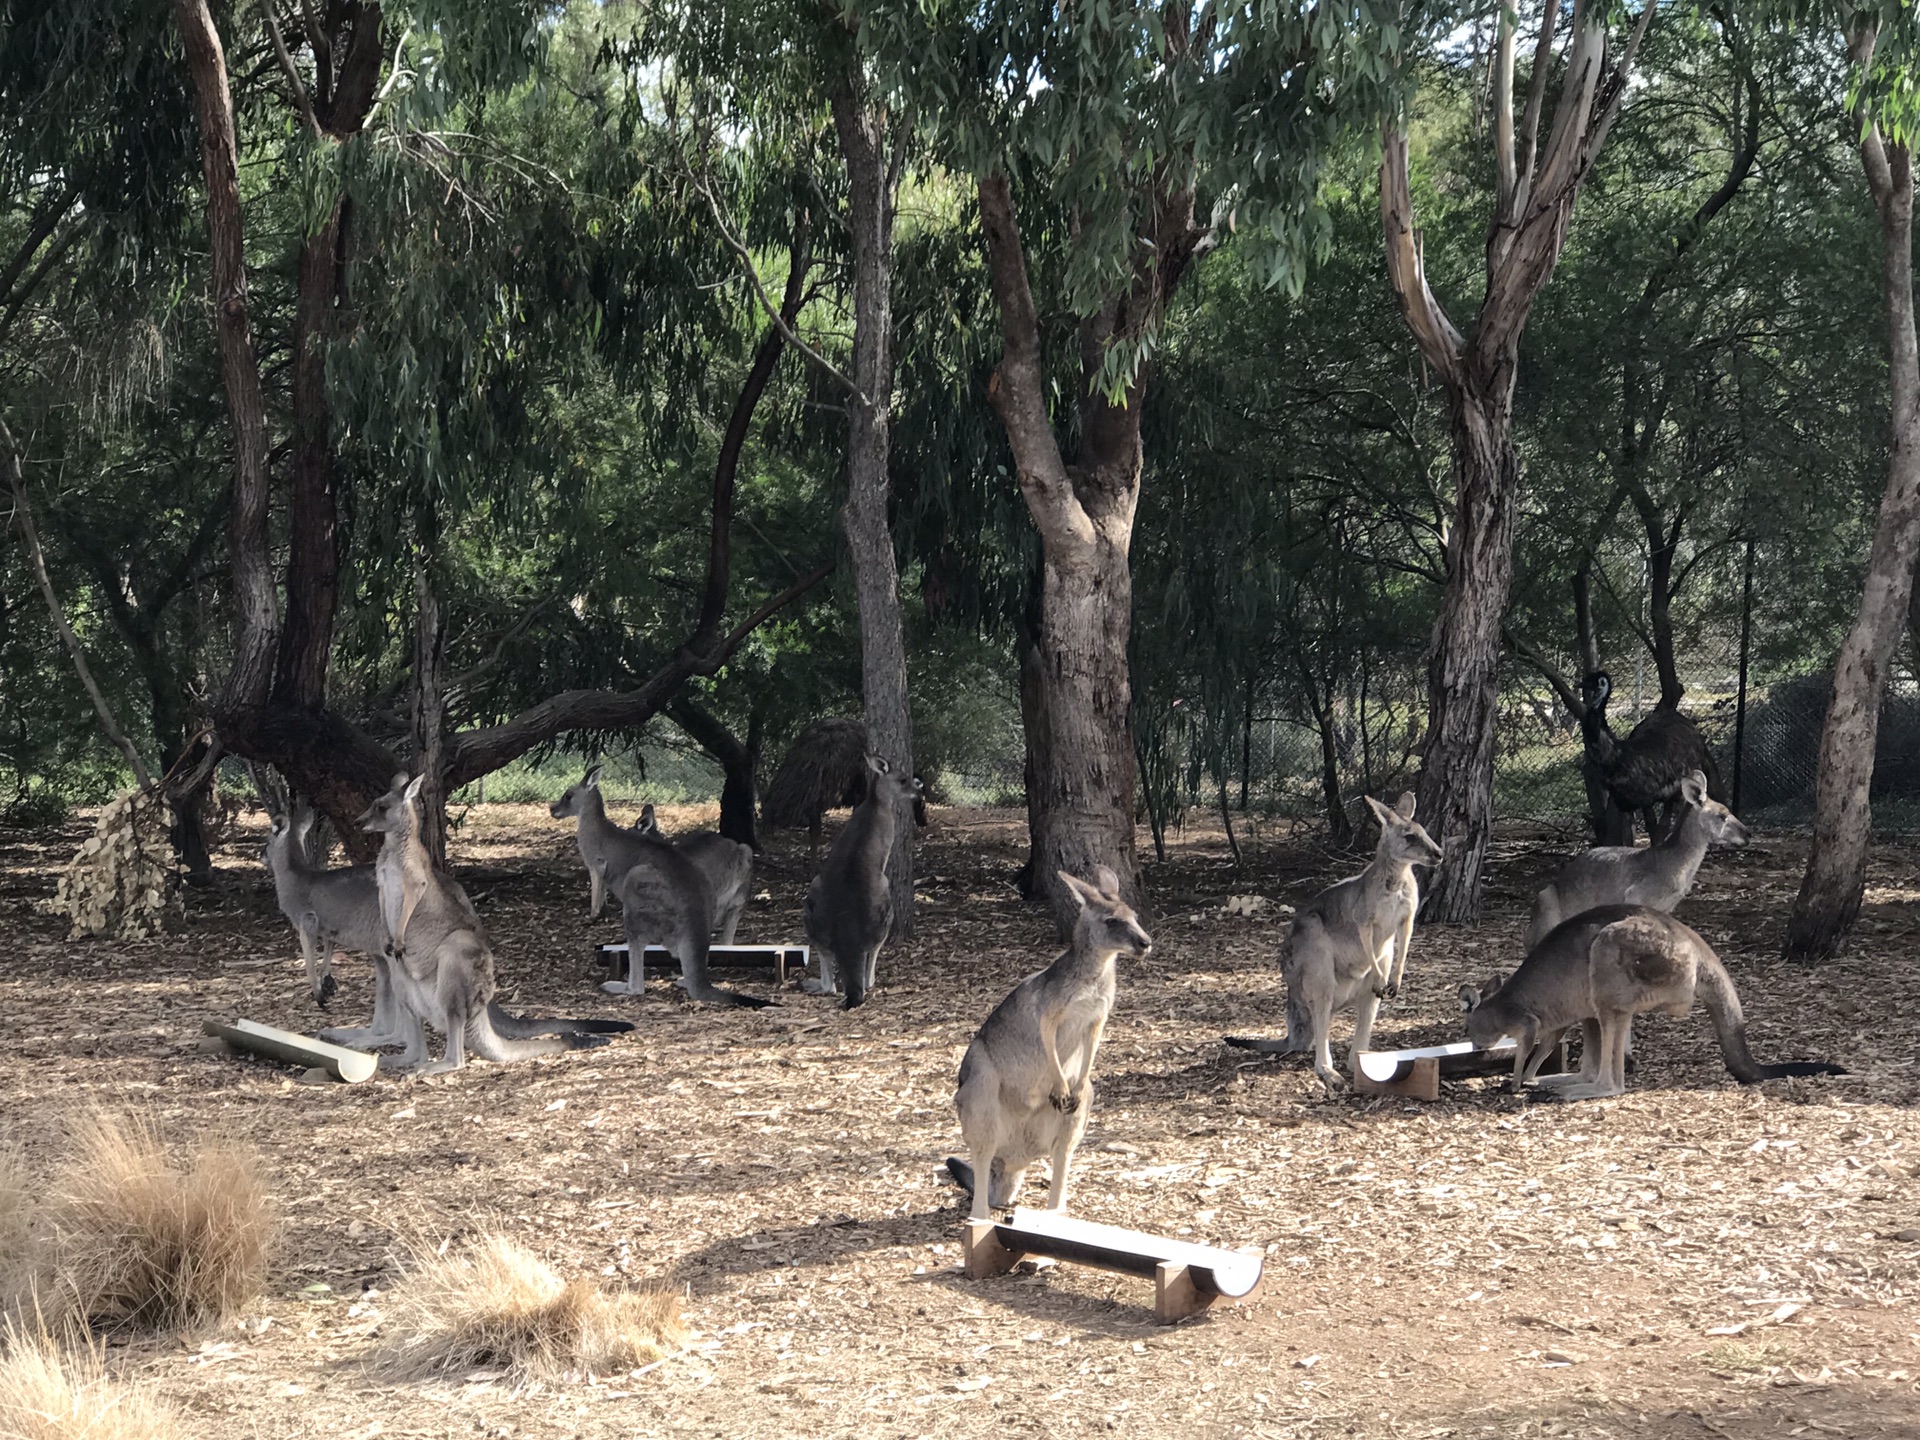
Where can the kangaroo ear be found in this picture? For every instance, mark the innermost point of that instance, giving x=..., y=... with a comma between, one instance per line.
x=1078, y=888
x=1693, y=787
x=1380, y=812
x=1404, y=806
x=413, y=785
x=592, y=778
x=877, y=763
x=1108, y=882
x=1470, y=998
x=400, y=778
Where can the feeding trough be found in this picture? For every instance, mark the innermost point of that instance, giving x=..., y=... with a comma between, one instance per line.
x=1187, y=1278
x=1416, y=1073
x=350, y=1066
x=778, y=958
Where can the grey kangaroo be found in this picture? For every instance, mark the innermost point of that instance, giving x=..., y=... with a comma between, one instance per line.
x=341, y=908
x=1657, y=875
x=1026, y=1083
x=727, y=864
x=849, y=909
x=1598, y=970
x=664, y=898
x=1348, y=945
x=439, y=963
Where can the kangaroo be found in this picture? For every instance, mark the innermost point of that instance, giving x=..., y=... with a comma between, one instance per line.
x=727, y=864
x=1657, y=875
x=849, y=908
x=332, y=909
x=1026, y=1083
x=1348, y=945
x=664, y=898
x=440, y=965
x=1600, y=969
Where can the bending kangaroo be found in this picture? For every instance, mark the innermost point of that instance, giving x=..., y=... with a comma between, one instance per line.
x=329, y=908
x=664, y=899
x=1599, y=970
x=849, y=909
x=727, y=864
x=1348, y=945
x=440, y=964
x=1657, y=875
x=1026, y=1084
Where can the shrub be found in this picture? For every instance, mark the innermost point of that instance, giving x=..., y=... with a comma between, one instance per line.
x=46, y=1394
x=126, y=1238
x=497, y=1305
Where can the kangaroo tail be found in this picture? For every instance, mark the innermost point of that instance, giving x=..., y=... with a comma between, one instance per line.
x=509, y=1026
x=1730, y=1024
x=489, y=1044
x=719, y=995
x=961, y=1172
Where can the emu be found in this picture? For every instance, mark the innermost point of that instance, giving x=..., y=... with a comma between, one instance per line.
x=1642, y=773
x=824, y=769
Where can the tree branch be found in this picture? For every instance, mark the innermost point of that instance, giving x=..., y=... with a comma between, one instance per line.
x=1551, y=673
x=300, y=100
x=766, y=301
x=1440, y=343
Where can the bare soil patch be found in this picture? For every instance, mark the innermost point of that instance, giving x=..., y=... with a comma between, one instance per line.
x=1696, y=1259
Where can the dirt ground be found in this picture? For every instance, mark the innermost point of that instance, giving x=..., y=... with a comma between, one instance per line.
x=1696, y=1259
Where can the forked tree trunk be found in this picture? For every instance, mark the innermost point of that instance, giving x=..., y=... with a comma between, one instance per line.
x=429, y=701
x=862, y=126
x=1537, y=184
x=1835, y=880
x=1463, y=669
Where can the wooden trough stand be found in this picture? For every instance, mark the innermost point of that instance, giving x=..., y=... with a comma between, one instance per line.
x=1187, y=1279
x=777, y=958
x=351, y=1066
x=1416, y=1073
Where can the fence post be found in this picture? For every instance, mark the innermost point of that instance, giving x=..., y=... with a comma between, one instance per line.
x=1740, y=701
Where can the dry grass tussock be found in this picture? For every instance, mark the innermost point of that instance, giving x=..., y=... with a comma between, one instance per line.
x=496, y=1305
x=50, y=1394
x=124, y=1236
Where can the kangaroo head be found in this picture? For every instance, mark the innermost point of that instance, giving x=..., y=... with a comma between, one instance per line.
x=1471, y=996
x=392, y=813
x=1402, y=838
x=887, y=787
x=648, y=823
x=1723, y=827
x=1106, y=921
x=575, y=799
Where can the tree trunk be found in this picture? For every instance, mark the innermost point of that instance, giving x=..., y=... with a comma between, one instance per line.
x=1455, y=787
x=1831, y=890
x=256, y=612
x=739, y=763
x=862, y=126
x=429, y=703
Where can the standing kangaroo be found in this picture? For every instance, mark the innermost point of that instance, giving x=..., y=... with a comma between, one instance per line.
x=664, y=898
x=1026, y=1083
x=1348, y=945
x=849, y=909
x=1598, y=970
x=727, y=864
x=1657, y=875
x=329, y=908
x=439, y=962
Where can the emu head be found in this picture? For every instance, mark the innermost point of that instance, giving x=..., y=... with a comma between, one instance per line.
x=1105, y=919
x=575, y=799
x=1595, y=690
x=393, y=811
x=1402, y=838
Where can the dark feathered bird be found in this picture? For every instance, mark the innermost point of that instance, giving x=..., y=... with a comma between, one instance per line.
x=1642, y=773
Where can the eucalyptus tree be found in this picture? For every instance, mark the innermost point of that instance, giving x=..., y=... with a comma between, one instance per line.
x=776, y=70
x=1883, y=51
x=1099, y=139
x=1536, y=185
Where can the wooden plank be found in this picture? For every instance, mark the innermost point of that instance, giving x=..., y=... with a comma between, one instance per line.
x=985, y=1255
x=351, y=1066
x=1417, y=1079
x=1176, y=1296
